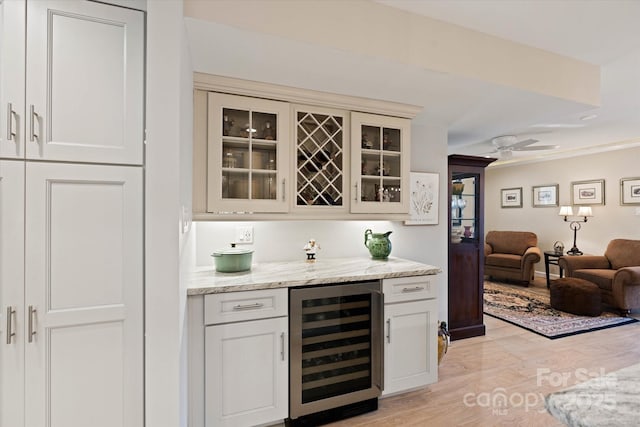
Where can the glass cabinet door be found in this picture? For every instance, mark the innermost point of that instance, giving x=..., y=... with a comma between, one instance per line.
x=320, y=155
x=248, y=145
x=464, y=207
x=380, y=164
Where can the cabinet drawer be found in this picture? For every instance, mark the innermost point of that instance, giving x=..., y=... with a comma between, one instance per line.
x=410, y=288
x=250, y=305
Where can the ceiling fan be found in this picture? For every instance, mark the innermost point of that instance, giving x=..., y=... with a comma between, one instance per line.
x=505, y=145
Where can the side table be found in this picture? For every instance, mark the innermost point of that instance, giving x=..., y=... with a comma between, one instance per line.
x=551, y=258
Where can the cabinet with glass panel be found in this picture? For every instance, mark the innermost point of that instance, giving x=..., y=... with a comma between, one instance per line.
x=248, y=153
x=379, y=163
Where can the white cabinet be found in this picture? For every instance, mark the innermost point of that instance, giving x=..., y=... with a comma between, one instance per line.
x=81, y=97
x=380, y=163
x=71, y=231
x=12, y=75
x=410, y=349
x=248, y=154
x=246, y=361
x=77, y=315
x=12, y=339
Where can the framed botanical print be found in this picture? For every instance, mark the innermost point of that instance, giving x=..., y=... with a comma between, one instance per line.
x=630, y=191
x=423, y=198
x=511, y=197
x=588, y=192
x=545, y=196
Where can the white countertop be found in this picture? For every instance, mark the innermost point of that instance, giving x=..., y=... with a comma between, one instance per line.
x=271, y=275
x=610, y=400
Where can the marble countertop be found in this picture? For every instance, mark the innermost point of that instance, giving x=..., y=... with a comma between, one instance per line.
x=609, y=400
x=271, y=275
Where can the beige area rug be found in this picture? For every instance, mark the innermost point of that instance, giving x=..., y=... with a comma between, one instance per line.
x=530, y=310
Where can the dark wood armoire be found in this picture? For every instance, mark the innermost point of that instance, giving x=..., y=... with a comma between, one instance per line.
x=466, y=245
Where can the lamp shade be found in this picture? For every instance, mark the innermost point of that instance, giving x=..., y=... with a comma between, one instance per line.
x=585, y=211
x=566, y=211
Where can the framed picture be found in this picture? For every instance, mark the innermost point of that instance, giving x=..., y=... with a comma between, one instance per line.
x=545, y=196
x=511, y=197
x=630, y=191
x=423, y=198
x=588, y=192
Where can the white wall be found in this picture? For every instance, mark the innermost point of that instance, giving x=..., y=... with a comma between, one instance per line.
x=168, y=187
x=610, y=220
x=283, y=240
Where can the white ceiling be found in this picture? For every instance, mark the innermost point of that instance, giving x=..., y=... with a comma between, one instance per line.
x=601, y=32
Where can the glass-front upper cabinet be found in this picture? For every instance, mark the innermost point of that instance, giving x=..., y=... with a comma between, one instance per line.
x=248, y=154
x=380, y=163
x=464, y=207
x=320, y=157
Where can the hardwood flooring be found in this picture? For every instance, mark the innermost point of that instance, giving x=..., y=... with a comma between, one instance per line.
x=511, y=362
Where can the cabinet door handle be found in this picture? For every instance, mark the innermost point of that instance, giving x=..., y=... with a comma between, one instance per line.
x=356, y=187
x=414, y=289
x=10, y=332
x=10, y=115
x=32, y=314
x=389, y=330
x=34, y=118
x=248, y=306
x=282, y=345
x=284, y=189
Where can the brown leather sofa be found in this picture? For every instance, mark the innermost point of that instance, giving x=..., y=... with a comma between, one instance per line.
x=617, y=273
x=511, y=255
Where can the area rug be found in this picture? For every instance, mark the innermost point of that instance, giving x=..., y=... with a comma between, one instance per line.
x=531, y=310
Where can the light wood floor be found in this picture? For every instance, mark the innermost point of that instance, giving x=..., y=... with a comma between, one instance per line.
x=508, y=360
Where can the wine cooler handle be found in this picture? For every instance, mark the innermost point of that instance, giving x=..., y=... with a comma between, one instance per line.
x=10, y=332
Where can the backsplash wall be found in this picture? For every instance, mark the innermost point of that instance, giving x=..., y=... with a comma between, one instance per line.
x=284, y=240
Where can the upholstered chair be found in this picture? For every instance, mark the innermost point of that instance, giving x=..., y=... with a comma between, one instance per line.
x=511, y=255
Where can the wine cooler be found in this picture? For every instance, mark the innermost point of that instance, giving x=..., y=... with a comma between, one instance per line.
x=336, y=351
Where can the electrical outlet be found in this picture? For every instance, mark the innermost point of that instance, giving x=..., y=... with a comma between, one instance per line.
x=186, y=219
x=244, y=234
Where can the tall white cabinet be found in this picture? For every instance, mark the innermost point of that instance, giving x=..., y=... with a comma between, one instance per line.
x=71, y=214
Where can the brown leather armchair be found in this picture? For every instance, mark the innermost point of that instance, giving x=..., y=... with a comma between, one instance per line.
x=617, y=273
x=511, y=255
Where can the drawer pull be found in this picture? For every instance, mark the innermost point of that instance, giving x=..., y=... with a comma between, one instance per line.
x=248, y=306
x=414, y=289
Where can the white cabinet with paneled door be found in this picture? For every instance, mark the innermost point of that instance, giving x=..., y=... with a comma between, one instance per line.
x=76, y=358
x=81, y=96
x=246, y=358
x=12, y=74
x=248, y=154
x=12, y=338
x=380, y=150
x=410, y=337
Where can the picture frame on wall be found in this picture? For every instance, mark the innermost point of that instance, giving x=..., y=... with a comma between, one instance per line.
x=423, y=201
x=630, y=191
x=511, y=197
x=588, y=192
x=544, y=196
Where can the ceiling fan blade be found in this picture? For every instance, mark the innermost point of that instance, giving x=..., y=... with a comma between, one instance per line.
x=537, y=147
x=523, y=143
